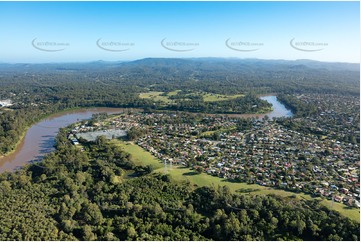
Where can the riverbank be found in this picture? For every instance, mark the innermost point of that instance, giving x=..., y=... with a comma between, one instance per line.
x=42, y=134
x=49, y=115
x=23, y=134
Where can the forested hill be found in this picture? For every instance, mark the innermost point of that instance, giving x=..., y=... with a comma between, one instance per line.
x=235, y=62
x=226, y=75
x=191, y=63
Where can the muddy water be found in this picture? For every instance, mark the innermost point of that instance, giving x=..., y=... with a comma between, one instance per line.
x=40, y=138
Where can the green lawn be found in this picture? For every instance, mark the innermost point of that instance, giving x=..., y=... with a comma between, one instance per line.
x=142, y=157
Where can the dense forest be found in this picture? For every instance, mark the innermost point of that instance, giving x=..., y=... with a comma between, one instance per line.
x=214, y=75
x=99, y=194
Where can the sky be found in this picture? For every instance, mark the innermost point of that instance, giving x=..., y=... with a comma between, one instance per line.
x=40, y=32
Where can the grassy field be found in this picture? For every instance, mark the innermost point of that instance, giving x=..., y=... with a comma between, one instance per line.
x=210, y=97
x=353, y=213
x=156, y=96
x=207, y=97
x=139, y=155
x=142, y=157
x=173, y=93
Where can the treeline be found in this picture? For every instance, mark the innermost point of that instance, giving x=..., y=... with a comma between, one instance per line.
x=92, y=196
x=13, y=124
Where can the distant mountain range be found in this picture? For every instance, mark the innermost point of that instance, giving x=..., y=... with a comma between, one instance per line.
x=207, y=74
x=190, y=63
x=254, y=62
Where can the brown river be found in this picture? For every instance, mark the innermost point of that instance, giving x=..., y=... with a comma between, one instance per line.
x=39, y=140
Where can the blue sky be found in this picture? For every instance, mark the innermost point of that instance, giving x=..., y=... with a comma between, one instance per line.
x=69, y=31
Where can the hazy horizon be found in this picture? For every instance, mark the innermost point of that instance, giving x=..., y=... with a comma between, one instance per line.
x=185, y=58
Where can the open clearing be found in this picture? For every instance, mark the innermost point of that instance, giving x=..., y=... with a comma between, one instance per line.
x=143, y=157
x=156, y=96
x=139, y=155
x=210, y=97
x=207, y=97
